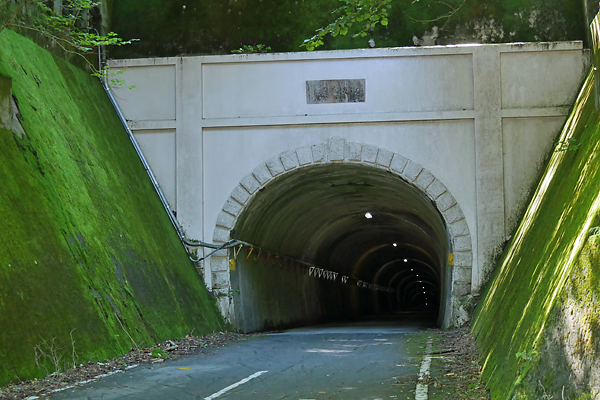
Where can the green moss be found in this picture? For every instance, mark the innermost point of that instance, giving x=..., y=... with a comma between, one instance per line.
x=516, y=307
x=88, y=254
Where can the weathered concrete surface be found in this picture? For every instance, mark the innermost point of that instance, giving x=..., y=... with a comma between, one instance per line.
x=478, y=119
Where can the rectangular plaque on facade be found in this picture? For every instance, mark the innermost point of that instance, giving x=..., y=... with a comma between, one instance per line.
x=335, y=91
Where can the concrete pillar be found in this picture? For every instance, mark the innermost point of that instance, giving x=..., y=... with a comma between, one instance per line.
x=488, y=160
x=188, y=147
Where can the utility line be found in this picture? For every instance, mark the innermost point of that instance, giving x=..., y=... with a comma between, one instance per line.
x=178, y=228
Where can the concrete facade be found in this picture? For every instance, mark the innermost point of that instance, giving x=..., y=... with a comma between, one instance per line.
x=469, y=125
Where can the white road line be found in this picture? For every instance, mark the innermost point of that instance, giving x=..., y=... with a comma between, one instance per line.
x=228, y=388
x=423, y=388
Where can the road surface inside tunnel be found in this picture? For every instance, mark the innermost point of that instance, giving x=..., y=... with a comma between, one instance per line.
x=369, y=359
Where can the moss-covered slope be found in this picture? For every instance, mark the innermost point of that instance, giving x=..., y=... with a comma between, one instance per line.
x=515, y=315
x=88, y=257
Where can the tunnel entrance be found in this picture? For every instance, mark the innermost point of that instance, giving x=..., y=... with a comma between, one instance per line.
x=340, y=230
x=369, y=226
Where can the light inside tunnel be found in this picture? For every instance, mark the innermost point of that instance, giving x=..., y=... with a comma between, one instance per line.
x=316, y=215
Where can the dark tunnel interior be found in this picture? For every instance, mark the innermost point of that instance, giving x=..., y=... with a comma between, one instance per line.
x=362, y=222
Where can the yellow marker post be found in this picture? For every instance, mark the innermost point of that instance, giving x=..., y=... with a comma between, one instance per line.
x=451, y=259
x=232, y=265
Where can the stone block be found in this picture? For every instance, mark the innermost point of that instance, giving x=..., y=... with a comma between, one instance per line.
x=221, y=235
x=220, y=280
x=461, y=289
x=459, y=228
x=354, y=151
x=337, y=148
x=384, y=158
x=240, y=194
x=319, y=152
x=219, y=264
x=463, y=259
x=275, y=166
x=424, y=180
x=411, y=171
x=369, y=154
x=262, y=174
x=436, y=189
x=462, y=274
x=225, y=220
x=232, y=207
x=304, y=156
x=445, y=201
x=398, y=163
x=462, y=243
x=250, y=183
x=220, y=253
x=289, y=160
x=453, y=214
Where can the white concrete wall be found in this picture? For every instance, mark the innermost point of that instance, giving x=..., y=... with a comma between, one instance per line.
x=480, y=118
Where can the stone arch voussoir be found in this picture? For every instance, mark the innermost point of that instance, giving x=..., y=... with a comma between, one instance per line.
x=339, y=150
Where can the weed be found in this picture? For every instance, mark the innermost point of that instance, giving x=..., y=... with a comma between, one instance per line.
x=249, y=49
x=48, y=351
x=567, y=145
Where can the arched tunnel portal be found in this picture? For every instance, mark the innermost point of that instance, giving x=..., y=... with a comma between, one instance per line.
x=383, y=236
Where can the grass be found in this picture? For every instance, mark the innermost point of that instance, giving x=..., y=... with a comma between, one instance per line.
x=86, y=245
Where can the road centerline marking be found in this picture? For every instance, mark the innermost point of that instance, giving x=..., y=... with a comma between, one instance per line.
x=421, y=393
x=228, y=388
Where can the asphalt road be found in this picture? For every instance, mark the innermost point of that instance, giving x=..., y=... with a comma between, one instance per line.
x=368, y=360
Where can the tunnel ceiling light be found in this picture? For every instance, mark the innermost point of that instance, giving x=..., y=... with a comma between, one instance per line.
x=406, y=260
x=368, y=215
x=395, y=244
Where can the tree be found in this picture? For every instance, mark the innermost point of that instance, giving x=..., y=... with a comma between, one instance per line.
x=66, y=23
x=359, y=17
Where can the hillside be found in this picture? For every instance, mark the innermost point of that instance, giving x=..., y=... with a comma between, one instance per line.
x=537, y=322
x=89, y=262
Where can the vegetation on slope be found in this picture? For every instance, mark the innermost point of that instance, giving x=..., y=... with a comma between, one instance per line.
x=516, y=308
x=89, y=262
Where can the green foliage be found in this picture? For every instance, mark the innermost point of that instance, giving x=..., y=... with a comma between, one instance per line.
x=249, y=49
x=159, y=353
x=182, y=27
x=362, y=15
x=526, y=356
x=68, y=28
x=567, y=145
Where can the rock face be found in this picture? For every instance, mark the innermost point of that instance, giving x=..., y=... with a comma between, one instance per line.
x=218, y=27
x=570, y=348
x=90, y=265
